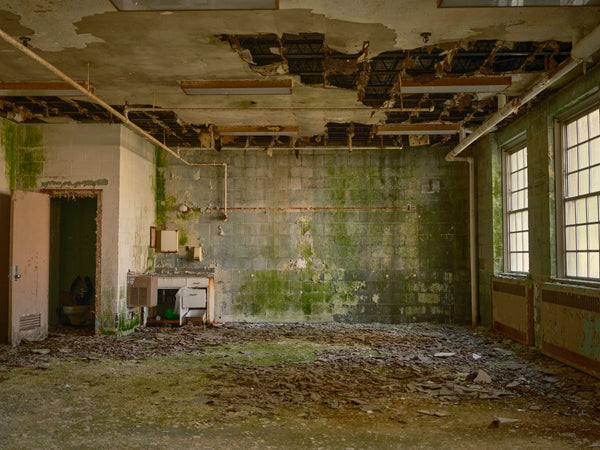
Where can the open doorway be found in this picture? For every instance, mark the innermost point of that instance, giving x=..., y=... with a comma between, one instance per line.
x=74, y=255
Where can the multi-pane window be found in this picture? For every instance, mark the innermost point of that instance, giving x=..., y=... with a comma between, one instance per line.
x=516, y=211
x=581, y=196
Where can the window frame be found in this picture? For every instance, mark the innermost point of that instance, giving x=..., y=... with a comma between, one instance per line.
x=515, y=144
x=582, y=108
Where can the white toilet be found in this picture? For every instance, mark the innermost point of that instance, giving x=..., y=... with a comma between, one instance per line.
x=78, y=314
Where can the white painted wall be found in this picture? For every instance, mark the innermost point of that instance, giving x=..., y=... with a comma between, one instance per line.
x=86, y=156
x=118, y=162
x=136, y=205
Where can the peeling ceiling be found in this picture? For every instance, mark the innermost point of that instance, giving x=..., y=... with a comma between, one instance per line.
x=351, y=63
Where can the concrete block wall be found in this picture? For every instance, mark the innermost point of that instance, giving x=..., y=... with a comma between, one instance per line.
x=557, y=328
x=327, y=235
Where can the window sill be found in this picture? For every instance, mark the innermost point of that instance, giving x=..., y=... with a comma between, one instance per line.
x=512, y=275
x=574, y=283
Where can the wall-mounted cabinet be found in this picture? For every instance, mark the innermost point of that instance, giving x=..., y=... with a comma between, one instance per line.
x=169, y=241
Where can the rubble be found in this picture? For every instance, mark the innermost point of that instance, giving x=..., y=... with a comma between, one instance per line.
x=368, y=368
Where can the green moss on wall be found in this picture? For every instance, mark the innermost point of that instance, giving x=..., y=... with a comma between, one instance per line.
x=127, y=325
x=30, y=158
x=24, y=155
x=305, y=295
x=590, y=344
x=183, y=237
x=163, y=202
x=151, y=260
x=8, y=135
x=160, y=157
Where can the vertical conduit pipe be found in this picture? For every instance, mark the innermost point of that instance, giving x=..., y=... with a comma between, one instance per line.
x=584, y=48
x=472, y=239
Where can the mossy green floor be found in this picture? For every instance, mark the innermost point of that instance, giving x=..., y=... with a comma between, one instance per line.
x=262, y=388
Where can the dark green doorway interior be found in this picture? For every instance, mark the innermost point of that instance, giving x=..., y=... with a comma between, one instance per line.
x=73, y=261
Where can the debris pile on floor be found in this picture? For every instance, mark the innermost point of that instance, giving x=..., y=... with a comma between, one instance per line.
x=373, y=367
x=398, y=375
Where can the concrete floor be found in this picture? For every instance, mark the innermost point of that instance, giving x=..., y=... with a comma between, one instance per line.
x=293, y=386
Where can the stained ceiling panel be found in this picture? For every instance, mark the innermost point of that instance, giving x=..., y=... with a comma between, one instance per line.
x=352, y=69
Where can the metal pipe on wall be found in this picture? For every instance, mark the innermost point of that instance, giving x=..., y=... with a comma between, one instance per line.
x=581, y=50
x=277, y=108
x=472, y=239
x=256, y=148
x=87, y=93
x=109, y=108
x=513, y=106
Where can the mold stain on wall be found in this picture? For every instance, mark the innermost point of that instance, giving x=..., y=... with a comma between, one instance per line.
x=352, y=252
x=163, y=202
x=590, y=344
x=23, y=153
x=9, y=144
x=308, y=288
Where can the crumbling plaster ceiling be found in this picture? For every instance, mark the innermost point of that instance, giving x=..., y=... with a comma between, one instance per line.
x=138, y=58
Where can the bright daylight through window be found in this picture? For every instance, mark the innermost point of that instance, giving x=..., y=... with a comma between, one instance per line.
x=581, y=196
x=517, y=216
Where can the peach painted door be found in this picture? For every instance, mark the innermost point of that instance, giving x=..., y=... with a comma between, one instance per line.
x=29, y=266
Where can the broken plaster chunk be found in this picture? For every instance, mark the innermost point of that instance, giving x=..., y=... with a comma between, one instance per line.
x=434, y=413
x=482, y=378
x=506, y=420
x=497, y=421
x=444, y=391
x=41, y=351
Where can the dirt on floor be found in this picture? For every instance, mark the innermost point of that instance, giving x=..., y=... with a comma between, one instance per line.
x=293, y=386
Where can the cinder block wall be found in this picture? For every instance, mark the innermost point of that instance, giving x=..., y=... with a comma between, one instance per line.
x=368, y=236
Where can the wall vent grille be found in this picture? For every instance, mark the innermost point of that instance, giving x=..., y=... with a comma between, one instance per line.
x=137, y=297
x=509, y=288
x=512, y=303
x=142, y=290
x=30, y=322
x=571, y=300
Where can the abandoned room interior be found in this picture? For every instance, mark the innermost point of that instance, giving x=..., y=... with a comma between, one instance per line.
x=179, y=169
